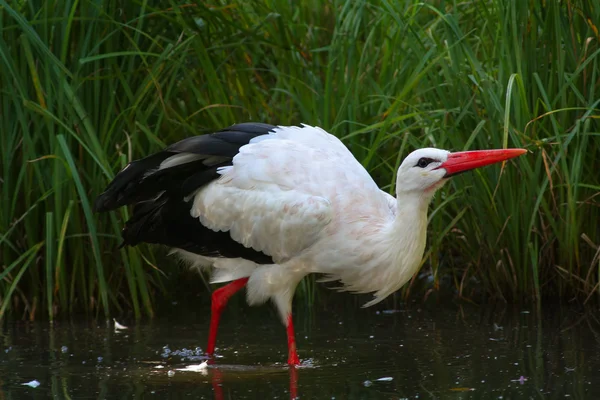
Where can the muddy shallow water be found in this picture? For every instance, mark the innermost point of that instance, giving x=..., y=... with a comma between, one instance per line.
x=414, y=352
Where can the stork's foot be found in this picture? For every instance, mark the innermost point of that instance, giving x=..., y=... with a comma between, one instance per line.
x=293, y=360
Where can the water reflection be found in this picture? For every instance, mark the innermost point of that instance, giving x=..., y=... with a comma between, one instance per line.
x=433, y=352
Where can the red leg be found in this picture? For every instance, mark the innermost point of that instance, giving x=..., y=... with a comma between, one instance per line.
x=218, y=301
x=292, y=355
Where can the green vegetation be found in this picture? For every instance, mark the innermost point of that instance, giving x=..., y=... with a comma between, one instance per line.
x=87, y=86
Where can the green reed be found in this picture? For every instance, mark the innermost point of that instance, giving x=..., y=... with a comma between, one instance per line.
x=86, y=87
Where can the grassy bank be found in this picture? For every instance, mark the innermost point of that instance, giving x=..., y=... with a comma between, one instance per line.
x=86, y=86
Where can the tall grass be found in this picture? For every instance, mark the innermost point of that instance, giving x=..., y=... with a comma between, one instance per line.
x=86, y=87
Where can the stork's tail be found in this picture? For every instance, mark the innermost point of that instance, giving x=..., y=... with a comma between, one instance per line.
x=128, y=187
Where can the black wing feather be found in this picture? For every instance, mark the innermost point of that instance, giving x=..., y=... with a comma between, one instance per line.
x=160, y=213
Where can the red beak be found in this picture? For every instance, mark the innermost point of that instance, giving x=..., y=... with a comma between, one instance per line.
x=463, y=161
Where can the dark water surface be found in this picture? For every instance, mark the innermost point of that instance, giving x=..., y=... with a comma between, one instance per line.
x=433, y=352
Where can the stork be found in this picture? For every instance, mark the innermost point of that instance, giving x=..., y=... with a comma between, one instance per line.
x=263, y=206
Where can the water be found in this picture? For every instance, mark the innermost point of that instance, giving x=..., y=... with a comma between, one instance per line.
x=435, y=352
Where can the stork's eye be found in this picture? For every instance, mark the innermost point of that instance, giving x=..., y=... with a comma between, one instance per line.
x=423, y=162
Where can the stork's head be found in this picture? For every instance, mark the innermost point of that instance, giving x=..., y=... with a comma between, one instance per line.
x=425, y=170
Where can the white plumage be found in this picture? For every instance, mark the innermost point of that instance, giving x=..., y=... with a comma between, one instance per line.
x=300, y=196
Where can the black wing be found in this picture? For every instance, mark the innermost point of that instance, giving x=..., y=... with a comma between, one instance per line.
x=160, y=213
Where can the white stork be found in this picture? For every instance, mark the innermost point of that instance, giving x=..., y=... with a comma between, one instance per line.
x=263, y=206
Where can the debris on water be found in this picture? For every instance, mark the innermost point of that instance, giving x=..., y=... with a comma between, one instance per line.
x=202, y=368
x=525, y=312
x=64, y=349
x=497, y=327
x=118, y=326
x=368, y=383
x=390, y=311
x=521, y=380
x=171, y=373
x=307, y=363
x=159, y=367
x=32, y=384
x=196, y=354
x=462, y=389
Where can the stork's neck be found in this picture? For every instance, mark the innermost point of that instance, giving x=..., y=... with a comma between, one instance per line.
x=399, y=248
x=408, y=232
x=411, y=212
x=389, y=251
x=409, y=228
